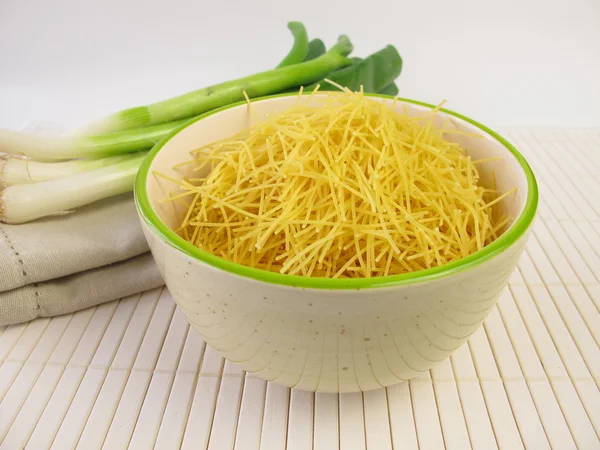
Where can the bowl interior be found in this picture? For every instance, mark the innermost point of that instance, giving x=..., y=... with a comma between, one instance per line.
x=509, y=172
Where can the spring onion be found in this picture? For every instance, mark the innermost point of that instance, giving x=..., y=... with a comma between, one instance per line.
x=390, y=89
x=202, y=100
x=44, y=148
x=24, y=171
x=372, y=74
x=26, y=202
x=316, y=48
x=42, y=176
x=300, y=49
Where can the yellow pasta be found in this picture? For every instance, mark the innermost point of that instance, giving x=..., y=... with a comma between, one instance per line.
x=347, y=187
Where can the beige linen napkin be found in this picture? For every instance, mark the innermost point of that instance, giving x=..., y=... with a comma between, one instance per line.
x=66, y=263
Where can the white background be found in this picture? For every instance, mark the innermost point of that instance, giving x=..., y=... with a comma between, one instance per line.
x=511, y=62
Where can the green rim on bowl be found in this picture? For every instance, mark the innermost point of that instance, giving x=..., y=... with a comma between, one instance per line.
x=517, y=230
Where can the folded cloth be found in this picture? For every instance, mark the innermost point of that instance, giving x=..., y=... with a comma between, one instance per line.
x=65, y=263
x=79, y=291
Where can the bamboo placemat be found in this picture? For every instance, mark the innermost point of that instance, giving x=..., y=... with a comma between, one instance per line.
x=131, y=374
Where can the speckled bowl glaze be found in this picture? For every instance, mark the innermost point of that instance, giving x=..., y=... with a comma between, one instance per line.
x=332, y=335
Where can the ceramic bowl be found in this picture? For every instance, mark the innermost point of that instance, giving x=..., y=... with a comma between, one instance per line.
x=332, y=335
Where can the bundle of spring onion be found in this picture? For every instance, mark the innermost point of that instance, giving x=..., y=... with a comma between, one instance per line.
x=42, y=176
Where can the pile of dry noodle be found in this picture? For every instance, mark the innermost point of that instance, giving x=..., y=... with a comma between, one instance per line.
x=338, y=186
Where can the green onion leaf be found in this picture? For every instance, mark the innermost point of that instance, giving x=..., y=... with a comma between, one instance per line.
x=300, y=48
x=390, y=89
x=373, y=73
x=316, y=48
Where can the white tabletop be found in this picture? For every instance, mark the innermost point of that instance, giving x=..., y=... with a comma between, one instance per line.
x=132, y=374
